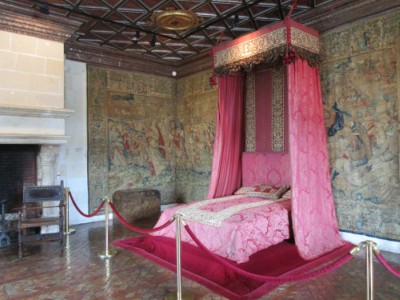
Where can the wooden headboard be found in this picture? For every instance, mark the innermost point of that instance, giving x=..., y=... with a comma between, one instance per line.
x=266, y=167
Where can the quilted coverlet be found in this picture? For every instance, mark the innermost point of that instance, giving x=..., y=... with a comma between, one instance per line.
x=242, y=226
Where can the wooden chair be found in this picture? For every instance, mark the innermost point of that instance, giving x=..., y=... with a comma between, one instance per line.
x=31, y=219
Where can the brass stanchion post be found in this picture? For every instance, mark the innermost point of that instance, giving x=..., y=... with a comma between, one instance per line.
x=108, y=253
x=179, y=295
x=369, y=265
x=178, y=258
x=67, y=230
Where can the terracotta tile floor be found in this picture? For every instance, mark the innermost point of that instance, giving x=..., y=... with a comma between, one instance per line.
x=80, y=274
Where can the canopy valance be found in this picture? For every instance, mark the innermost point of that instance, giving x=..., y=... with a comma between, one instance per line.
x=273, y=43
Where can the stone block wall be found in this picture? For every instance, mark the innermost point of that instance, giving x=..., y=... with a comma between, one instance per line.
x=31, y=71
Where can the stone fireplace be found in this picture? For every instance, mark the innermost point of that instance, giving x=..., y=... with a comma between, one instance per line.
x=32, y=108
x=38, y=92
x=45, y=131
x=18, y=166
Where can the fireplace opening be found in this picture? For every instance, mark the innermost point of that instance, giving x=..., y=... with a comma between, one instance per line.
x=18, y=165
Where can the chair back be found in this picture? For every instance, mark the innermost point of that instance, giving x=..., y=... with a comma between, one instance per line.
x=34, y=194
x=38, y=211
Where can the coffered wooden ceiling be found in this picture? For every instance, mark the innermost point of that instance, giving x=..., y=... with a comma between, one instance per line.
x=125, y=25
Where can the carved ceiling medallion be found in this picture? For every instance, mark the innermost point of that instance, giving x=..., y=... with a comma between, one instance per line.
x=176, y=20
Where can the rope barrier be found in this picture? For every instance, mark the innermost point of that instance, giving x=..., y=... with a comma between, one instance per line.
x=81, y=212
x=263, y=278
x=278, y=279
x=140, y=230
x=386, y=264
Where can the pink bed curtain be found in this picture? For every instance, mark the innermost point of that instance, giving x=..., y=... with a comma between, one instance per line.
x=226, y=167
x=313, y=212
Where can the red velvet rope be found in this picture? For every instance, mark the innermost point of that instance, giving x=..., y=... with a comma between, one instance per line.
x=81, y=212
x=278, y=279
x=387, y=265
x=140, y=230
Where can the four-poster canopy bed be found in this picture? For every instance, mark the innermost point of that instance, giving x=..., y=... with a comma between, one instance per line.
x=284, y=193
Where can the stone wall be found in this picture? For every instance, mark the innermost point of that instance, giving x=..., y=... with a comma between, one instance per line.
x=131, y=129
x=196, y=115
x=361, y=88
x=31, y=90
x=31, y=71
x=149, y=131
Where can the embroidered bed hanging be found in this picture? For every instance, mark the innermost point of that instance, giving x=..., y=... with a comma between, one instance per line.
x=280, y=41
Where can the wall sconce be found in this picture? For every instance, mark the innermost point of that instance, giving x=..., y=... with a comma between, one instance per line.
x=44, y=9
x=136, y=37
x=153, y=41
x=235, y=21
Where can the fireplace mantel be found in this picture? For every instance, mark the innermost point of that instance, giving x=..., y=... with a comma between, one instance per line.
x=45, y=112
x=33, y=125
x=33, y=139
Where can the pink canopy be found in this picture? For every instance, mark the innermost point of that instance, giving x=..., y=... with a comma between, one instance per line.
x=313, y=212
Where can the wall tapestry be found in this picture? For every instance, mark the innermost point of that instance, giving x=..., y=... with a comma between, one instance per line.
x=131, y=133
x=196, y=115
x=148, y=131
x=360, y=86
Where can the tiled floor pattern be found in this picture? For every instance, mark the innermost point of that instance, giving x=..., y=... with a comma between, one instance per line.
x=79, y=273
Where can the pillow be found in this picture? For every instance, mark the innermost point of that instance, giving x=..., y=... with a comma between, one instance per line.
x=264, y=191
x=287, y=194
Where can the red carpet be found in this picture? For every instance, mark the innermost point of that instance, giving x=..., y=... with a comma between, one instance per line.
x=276, y=260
